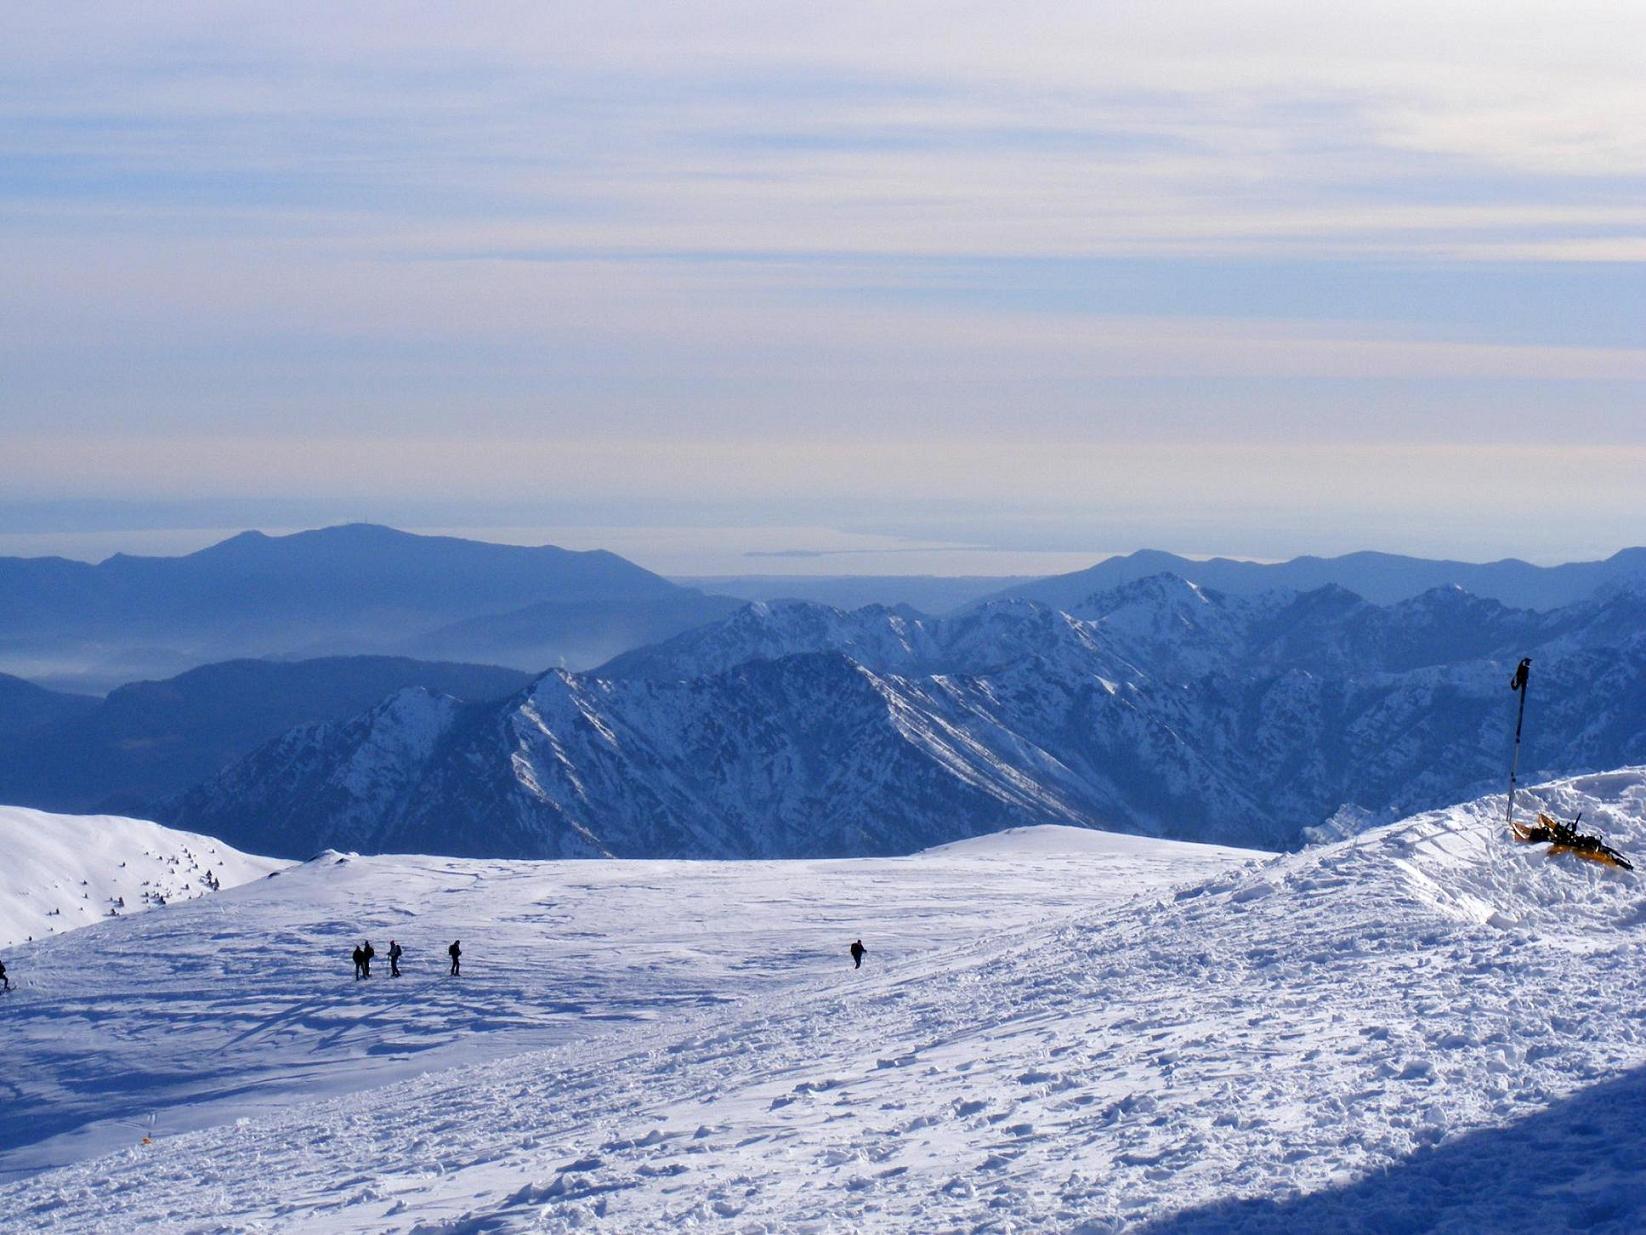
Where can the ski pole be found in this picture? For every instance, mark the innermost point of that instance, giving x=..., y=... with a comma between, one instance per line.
x=1517, y=683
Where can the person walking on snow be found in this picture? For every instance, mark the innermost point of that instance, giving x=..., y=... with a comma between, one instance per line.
x=359, y=963
x=858, y=951
x=456, y=953
x=395, y=953
x=366, y=953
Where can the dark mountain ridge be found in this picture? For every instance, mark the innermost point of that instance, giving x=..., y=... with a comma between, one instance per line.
x=25, y=706
x=148, y=740
x=354, y=589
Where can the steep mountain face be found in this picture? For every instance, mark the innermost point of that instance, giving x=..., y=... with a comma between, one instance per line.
x=1162, y=627
x=1333, y=631
x=889, y=640
x=344, y=590
x=1176, y=628
x=150, y=740
x=893, y=640
x=794, y=729
x=808, y=754
x=357, y=776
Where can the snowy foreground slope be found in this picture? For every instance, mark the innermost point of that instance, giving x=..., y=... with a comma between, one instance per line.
x=59, y=872
x=1423, y=1028
x=244, y=1003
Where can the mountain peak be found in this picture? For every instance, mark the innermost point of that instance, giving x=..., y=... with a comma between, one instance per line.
x=1164, y=589
x=1449, y=598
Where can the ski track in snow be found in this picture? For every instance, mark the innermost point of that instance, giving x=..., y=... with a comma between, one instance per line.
x=1038, y=1042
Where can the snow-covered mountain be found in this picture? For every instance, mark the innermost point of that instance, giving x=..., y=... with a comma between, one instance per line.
x=887, y=640
x=1425, y=1028
x=66, y=871
x=811, y=754
x=792, y=729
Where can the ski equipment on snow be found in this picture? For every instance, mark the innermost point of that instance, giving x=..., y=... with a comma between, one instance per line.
x=1565, y=838
x=1560, y=837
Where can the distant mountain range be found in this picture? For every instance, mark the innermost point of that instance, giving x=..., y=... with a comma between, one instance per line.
x=1222, y=700
x=928, y=593
x=361, y=589
x=1382, y=578
x=356, y=589
x=150, y=740
x=1160, y=707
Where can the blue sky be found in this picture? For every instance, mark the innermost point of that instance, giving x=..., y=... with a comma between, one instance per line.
x=1011, y=283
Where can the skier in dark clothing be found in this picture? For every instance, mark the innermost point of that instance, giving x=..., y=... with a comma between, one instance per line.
x=359, y=963
x=456, y=953
x=395, y=953
x=858, y=951
x=366, y=953
x=3, y=978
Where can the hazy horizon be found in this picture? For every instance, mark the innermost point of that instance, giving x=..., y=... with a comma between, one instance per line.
x=1261, y=279
x=687, y=552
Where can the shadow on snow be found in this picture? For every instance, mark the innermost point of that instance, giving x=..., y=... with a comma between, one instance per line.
x=1578, y=1166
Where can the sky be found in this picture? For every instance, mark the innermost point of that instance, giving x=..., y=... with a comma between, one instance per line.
x=947, y=288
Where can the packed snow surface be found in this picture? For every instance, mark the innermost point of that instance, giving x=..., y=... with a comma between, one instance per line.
x=1052, y=838
x=59, y=872
x=1424, y=1027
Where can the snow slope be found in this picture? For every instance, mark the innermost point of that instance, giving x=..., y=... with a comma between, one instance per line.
x=245, y=1003
x=1052, y=840
x=1425, y=1027
x=64, y=871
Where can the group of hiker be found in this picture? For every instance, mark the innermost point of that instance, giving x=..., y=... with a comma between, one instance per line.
x=364, y=953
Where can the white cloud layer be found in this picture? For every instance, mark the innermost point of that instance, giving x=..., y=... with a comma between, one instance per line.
x=855, y=253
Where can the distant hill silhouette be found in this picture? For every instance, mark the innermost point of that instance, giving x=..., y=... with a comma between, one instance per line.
x=352, y=589
x=150, y=739
x=25, y=706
